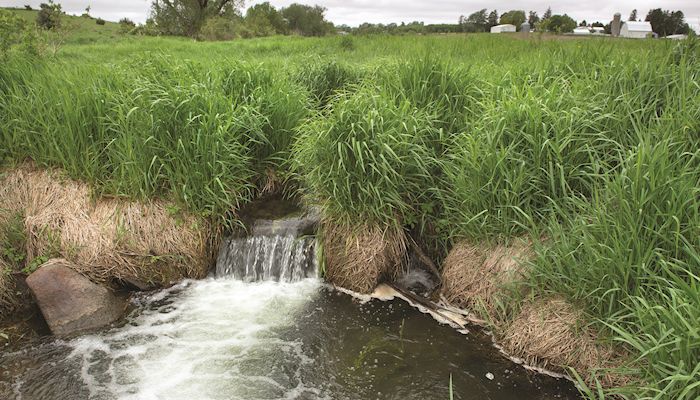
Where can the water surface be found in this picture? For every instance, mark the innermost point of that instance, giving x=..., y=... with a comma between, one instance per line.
x=227, y=339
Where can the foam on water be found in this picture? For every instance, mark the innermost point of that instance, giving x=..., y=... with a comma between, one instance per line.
x=212, y=339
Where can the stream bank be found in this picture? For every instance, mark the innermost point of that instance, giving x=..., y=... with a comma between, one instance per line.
x=148, y=245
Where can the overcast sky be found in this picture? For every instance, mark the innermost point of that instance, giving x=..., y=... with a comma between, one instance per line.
x=354, y=12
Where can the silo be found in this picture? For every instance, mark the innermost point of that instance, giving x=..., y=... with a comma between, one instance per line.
x=616, y=25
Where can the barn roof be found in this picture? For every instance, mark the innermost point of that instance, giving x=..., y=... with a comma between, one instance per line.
x=635, y=26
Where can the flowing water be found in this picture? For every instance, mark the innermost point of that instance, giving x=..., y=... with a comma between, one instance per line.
x=267, y=328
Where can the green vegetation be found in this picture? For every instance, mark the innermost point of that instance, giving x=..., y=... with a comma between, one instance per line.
x=13, y=242
x=591, y=144
x=557, y=24
x=83, y=30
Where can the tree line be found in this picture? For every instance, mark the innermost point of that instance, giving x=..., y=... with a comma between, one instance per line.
x=663, y=22
x=224, y=19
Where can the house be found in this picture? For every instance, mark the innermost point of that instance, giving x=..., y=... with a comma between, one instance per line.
x=582, y=30
x=598, y=30
x=637, y=30
x=503, y=28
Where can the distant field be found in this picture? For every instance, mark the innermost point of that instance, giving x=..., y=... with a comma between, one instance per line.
x=85, y=31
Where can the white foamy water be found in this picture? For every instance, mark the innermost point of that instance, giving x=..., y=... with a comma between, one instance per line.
x=211, y=339
x=283, y=258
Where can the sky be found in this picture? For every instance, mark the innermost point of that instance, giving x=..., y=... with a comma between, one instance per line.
x=354, y=12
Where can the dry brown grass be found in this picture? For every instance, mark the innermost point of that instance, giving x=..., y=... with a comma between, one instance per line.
x=272, y=183
x=549, y=333
x=475, y=275
x=544, y=333
x=358, y=259
x=12, y=200
x=106, y=239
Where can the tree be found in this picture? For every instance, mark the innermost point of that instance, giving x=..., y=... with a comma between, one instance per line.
x=533, y=19
x=557, y=24
x=218, y=28
x=583, y=23
x=126, y=25
x=548, y=13
x=665, y=22
x=633, y=15
x=264, y=20
x=493, y=18
x=307, y=20
x=49, y=16
x=513, y=17
x=87, y=10
x=186, y=17
x=476, y=22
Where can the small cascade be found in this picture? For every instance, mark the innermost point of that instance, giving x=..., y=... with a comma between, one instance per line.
x=279, y=249
x=283, y=258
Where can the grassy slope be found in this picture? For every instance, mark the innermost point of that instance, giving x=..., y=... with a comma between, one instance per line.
x=85, y=31
x=573, y=138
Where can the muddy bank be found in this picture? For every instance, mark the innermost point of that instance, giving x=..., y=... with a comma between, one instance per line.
x=114, y=242
x=482, y=283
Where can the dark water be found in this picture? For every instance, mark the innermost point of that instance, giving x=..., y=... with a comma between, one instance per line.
x=226, y=339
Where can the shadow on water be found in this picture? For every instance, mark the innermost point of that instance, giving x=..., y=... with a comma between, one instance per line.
x=226, y=339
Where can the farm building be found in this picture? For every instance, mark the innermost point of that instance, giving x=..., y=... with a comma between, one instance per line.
x=637, y=30
x=599, y=30
x=503, y=28
x=582, y=30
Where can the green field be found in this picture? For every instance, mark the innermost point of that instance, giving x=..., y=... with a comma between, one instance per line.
x=84, y=30
x=591, y=145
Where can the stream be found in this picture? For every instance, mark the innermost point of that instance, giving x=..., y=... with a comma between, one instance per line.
x=269, y=331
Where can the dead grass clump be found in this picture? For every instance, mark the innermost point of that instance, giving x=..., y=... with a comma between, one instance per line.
x=13, y=193
x=475, y=275
x=107, y=239
x=12, y=203
x=358, y=259
x=549, y=333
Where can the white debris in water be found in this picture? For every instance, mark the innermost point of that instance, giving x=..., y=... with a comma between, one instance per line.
x=489, y=376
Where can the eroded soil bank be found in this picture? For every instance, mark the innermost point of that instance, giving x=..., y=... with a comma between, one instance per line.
x=127, y=245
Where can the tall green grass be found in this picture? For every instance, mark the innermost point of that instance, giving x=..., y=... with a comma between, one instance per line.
x=369, y=158
x=154, y=126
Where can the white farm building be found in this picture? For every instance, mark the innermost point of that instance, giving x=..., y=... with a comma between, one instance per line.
x=503, y=28
x=637, y=30
x=582, y=30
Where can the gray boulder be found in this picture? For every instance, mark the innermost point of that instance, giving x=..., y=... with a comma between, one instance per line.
x=70, y=302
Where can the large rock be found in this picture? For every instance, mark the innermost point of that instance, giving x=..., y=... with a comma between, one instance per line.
x=70, y=302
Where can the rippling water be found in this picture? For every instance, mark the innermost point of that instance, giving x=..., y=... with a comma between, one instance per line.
x=226, y=339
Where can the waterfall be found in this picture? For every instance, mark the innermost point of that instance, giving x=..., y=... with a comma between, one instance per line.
x=283, y=258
